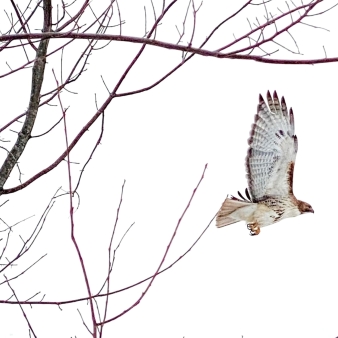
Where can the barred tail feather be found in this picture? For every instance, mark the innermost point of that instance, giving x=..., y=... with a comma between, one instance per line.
x=226, y=214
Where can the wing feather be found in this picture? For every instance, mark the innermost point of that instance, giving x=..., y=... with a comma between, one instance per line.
x=272, y=150
x=241, y=196
x=247, y=194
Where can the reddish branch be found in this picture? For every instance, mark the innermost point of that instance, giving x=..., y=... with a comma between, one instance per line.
x=26, y=243
x=91, y=154
x=22, y=310
x=77, y=33
x=71, y=213
x=12, y=121
x=163, y=258
x=152, y=278
x=24, y=23
x=148, y=41
x=94, y=118
x=168, y=45
x=58, y=303
x=111, y=260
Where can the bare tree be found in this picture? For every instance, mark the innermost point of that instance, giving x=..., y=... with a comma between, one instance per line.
x=58, y=42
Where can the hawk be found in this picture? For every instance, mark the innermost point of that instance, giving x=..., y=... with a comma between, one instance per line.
x=270, y=162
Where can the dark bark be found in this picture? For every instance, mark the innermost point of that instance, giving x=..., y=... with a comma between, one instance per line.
x=37, y=80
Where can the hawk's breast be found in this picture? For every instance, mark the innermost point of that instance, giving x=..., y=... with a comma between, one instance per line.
x=272, y=210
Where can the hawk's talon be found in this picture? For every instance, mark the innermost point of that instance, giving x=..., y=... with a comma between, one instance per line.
x=254, y=229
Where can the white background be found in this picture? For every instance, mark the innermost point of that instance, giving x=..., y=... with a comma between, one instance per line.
x=282, y=283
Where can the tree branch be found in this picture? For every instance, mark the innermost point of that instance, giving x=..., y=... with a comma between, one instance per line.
x=37, y=79
x=163, y=44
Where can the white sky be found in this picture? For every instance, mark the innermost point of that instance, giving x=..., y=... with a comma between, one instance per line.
x=282, y=283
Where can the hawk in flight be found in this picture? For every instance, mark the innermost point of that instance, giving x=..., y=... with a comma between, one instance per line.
x=269, y=165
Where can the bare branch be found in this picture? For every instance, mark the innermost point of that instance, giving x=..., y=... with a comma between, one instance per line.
x=58, y=303
x=163, y=258
x=22, y=310
x=37, y=79
x=71, y=212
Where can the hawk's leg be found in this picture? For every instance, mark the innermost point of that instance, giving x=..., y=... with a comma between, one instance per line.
x=254, y=229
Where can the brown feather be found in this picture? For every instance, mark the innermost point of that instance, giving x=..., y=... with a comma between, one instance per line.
x=290, y=177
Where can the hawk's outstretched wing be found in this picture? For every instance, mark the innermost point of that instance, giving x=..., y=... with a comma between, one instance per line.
x=272, y=150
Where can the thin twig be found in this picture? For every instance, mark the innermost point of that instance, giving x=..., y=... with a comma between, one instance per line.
x=22, y=310
x=163, y=258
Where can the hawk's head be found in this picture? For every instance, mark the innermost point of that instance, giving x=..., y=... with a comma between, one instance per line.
x=304, y=207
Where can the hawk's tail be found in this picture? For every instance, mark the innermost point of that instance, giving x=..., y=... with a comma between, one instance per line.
x=226, y=215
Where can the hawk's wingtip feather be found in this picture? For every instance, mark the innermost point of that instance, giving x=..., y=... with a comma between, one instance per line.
x=268, y=95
